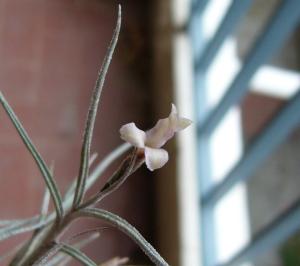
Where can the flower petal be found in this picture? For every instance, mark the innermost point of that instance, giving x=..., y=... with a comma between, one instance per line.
x=173, y=117
x=155, y=158
x=173, y=109
x=178, y=123
x=160, y=133
x=133, y=135
x=165, y=129
x=182, y=123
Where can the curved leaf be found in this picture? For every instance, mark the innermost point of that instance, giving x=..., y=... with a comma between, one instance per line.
x=21, y=227
x=50, y=182
x=45, y=203
x=88, y=132
x=51, y=252
x=77, y=254
x=98, y=171
x=63, y=259
x=115, y=181
x=125, y=227
x=7, y=223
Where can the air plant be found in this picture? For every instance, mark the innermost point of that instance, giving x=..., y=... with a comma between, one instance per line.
x=45, y=246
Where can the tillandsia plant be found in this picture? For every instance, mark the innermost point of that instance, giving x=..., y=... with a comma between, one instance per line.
x=46, y=246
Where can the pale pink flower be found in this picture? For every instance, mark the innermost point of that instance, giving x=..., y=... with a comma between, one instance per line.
x=151, y=141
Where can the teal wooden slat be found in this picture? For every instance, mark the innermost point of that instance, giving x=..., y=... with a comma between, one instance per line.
x=278, y=29
x=274, y=133
x=276, y=233
x=230, y=21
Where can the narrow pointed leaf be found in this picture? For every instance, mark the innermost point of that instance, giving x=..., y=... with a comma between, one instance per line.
x=46, y=198
x=6, y=223
x=37, y=157
x=71, y=189
x=45, y=203
x=21, y=257
x=93, y=159
x=97, y=172
x=62, y=259
x=106, y=162
x=85, y=151
x=51, y=252
x=21, y=228
x=115, y=181
x=78, y=255
x=126, y=228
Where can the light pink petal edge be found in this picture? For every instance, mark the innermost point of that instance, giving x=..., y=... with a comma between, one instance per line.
x=155, y=158
x=133, y=135
x=183, y=123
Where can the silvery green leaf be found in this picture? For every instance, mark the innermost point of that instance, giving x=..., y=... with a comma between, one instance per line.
x=115, y=181
x=88, y=132
x=30, y=246
x=46, y=198
x=62, y=259
x=45, y=203
x=6, y=223
x=106, y=162
x=97, y=172
x=77, y=254
x=93, y=158
x=21, y=227
x=50, y=253
x=126, y=228
x=72, y=187
x=50, y=182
